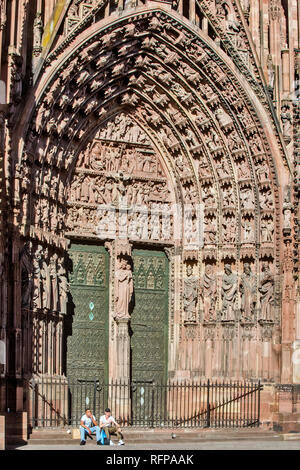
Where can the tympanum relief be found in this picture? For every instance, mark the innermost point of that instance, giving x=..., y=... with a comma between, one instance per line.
x=119, y=179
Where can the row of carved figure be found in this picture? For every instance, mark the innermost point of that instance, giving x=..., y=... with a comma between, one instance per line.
x=256, y=295
x=44, y=280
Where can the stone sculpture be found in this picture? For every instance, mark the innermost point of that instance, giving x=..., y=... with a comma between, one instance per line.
x=123, y=289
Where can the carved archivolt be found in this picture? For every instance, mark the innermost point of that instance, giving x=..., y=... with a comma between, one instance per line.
x=145, y=113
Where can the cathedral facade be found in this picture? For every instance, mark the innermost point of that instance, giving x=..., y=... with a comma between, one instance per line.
x=150, y=195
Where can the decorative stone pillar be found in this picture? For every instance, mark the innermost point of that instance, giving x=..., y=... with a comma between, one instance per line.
x=122, y=369
x=119, y=351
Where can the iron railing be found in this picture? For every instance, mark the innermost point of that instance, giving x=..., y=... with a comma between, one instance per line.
x=61, y=402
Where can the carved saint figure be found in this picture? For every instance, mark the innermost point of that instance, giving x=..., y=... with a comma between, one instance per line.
x=247, y=290
x=190, y=296
x=209, y=293
x=63, y=288
x=229, y=293
x=54, y=281
x=123, y=289
x=286, y=120
x=37, y=292
x=26, y=276
x=46, y=281
x=267, y=230
x=266, y=290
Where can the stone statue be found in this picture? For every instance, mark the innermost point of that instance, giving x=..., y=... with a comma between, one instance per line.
x=26, y=276
x=229, y=232
x=247, y=198
x=37, y=30
x=247, y=290
x=267, y=230
x=248, y=233
x=123, y=289
x=46, y=281
x=266, y=289
x=190, y=296
x=37, y=292
x=287, y=208
x=209, y=294
x=229, y=294
x=286, y=119
x=263, y=172
x=54, y=281
x=119, y=188
x=271, y=71
x=210, y=230
x=64, y=288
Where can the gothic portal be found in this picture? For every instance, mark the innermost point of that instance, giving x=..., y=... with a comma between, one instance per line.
x=149, y=187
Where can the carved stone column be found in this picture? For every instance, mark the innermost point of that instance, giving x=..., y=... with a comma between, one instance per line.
x=119, y=351
x=122, y=369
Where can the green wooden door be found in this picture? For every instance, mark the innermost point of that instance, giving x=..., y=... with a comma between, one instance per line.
x=87, y=346
x=149, y=319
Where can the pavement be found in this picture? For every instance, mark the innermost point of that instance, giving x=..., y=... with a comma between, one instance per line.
x=165, y=440
x=229, y=445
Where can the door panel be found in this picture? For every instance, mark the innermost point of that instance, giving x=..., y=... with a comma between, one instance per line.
x=87, y=354
x=149, y=319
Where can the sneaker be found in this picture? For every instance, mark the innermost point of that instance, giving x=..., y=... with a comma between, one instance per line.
x=82, y=443
x=111, y=443
x=99, y=443
x=121, y=443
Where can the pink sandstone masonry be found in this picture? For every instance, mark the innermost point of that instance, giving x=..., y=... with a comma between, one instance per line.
x=170, y=127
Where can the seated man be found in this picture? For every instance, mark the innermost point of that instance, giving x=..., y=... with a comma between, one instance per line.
x=110, y=426
x=88, y=425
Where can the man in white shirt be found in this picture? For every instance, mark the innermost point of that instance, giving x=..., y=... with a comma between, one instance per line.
x=110, y=426
x=88, y=425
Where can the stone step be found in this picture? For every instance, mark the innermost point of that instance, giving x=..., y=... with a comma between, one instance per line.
x=293, y=436
x=53, y=437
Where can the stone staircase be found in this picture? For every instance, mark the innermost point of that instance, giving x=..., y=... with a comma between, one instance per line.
x=46, y=436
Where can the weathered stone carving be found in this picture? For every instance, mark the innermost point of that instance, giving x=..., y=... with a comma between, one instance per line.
x=209, y=294
x=46, y=281
x=190, y=295
x=144, y=136
x=287, y=209
x=54, y=282
x=63, y=287
x=229, y=229
x=248, y=291
x=26, y=276
x=267, y=229
x=266, y=290
x=228, y=294
x=286, y=119
x=123, y=289
x=37, y=287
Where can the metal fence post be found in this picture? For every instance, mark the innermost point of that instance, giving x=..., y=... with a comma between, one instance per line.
x=258, y=405
x=208, y=405
x=152, y=405
x=95, y=391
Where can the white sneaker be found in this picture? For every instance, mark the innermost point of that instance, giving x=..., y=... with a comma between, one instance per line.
x=111, y=443
x=121, y=443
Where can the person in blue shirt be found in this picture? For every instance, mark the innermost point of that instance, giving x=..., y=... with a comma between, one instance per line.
x=88, y=425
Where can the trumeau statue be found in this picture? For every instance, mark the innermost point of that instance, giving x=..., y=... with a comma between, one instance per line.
x=229, y=294
x=123, y=289
x=190, y=296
